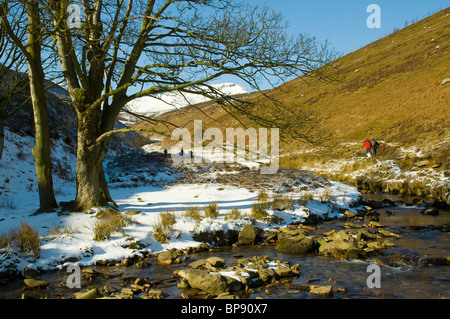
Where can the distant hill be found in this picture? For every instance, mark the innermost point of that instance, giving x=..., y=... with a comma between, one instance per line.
x=167, y=102
x=396, y=89
x=391, y=89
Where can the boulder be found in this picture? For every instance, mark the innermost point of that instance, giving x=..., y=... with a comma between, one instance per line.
x=90, y=294
x=349, y=214
x=292, y=232
x=445, y=261
x=283, y=271
x=341, y=236
x=387, y=202
x=336, y=246
x=167, y=257
x=216, y=261
x=371, y=216
x=318, y=290
x=126, y=262
x=431, y=211
x=34, y=283
x=154, y=294
x=142, y=264
x=128, y=291
x=324, y=291
x=374, y=224
x=198, y=263
x=212, y=283
x=356, y=253
x=297, y=245
x=266, y=275
x=387, y=233
x=352, y=225
x=183, y=284
x=445, y=81
x=375, y=245
x=247, y=235
x=218, y=237
x=29, y=273
x=343, y=243
x=227, y=295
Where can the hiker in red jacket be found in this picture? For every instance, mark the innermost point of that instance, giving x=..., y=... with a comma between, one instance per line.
x=366, y=144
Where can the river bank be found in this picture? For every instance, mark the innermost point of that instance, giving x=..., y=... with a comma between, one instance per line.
x=414, y=265
x=421, y=172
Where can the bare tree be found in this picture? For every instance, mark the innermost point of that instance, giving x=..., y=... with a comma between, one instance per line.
x=134, y=48
x=26, y=15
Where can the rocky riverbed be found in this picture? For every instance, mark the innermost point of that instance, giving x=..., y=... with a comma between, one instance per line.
x=309, y=260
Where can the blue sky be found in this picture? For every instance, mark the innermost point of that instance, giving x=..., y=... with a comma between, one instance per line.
x=343, y=22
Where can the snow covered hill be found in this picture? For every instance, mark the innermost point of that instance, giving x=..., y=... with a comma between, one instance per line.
x=154, y=106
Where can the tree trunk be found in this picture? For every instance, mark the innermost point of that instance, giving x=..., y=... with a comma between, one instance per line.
x=41, y=151
x=92, y=187
x=2, y=135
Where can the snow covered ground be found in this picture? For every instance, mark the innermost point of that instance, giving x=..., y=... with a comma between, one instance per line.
x=150, y=201
x=386, y=172
x=19, y=200
x=415, y=171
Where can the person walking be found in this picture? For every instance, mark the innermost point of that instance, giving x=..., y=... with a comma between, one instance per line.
x=374, y=147
x=366, y=145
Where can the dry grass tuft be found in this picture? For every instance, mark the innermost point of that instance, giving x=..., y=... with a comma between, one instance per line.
x=163, y=227
x=194, y=213
x=25, y=237
x=110, y=223
x=212, y=210
x=258, y=211
x=305, y=197
x=281, y=202
x=234, y=214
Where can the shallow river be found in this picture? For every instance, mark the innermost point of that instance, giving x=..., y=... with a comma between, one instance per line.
x=406, y=278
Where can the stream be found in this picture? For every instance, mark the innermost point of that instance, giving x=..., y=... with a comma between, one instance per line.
x=406, y=276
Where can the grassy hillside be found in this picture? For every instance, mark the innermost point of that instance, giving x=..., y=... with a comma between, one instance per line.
x=392, y=90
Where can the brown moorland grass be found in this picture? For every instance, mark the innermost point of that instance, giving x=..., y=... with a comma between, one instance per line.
x=390, y=89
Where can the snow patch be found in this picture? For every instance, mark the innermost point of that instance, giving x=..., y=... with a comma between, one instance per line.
x=163, y=103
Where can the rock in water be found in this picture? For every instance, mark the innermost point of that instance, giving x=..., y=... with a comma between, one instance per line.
x=247, y=235
x=212, y=283
x=29, y=273
x=34, y=283
x=167, y=257
x=284, y=271
x=431, y=211
x=90, y=294
x=297, y=245
x=216, y=261
x=325, y=291
x=198, y=263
